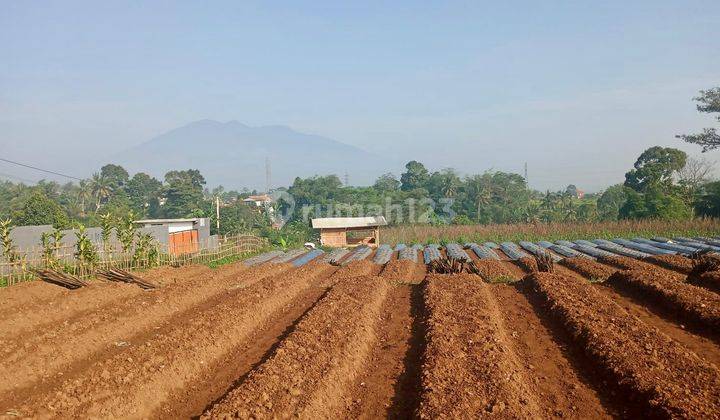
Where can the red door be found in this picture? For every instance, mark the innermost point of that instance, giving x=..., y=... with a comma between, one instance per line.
x=185, y=242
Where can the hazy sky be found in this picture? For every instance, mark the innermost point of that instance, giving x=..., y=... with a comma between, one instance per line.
x=576, y=89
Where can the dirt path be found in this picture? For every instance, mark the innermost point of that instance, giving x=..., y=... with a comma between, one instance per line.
x=309, y=373
x=557, y=375
x=470, y=369
x=389, y=385
x=171, y=359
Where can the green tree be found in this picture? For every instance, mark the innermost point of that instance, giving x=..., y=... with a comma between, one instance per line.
x=101, y=188
x=40, y=210
x=708, y=102
x=610, y=202
x=387, y=183
x=144, y=193
x=115, y=175
x=708, y=204
x=184, y=194
x=655, y=204
x=571, y=190
x=655, y=168
x=238, y=217
x=415, y=176
x=444, y=184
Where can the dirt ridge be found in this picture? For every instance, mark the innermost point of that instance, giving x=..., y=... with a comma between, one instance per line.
x=309, y=373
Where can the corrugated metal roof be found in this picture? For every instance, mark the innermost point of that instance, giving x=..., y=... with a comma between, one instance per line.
x=348, y=222
x=164, y=221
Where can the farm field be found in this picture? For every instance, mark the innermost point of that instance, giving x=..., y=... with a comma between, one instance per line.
x=612, y=329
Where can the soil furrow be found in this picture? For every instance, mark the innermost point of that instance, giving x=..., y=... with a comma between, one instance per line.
x=47, y=353
x=557, y=376
x=683, y=265
x=401, y=271
x=661, y=376
x=230, y=371
x=309, y=373
x=627, y=263
x=709, y=281
x=695, y=304
x=591, y=270
x=70, y=305
x=470, y=369
x=389, y=384
x=137, y=381
x=670, y=325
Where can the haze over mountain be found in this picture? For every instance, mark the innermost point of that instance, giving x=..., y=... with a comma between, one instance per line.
x=233, y=155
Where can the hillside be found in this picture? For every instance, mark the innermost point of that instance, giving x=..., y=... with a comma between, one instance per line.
x=233, y=154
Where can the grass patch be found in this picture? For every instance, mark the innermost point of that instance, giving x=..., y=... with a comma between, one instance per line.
x=426, y=234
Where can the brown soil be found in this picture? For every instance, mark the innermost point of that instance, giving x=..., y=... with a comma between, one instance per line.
x=677, y=263
x=627, y=263
x=527, y=264
x=358, y=269
x=232, y=369
x=103, y=329
x=168, y=358
x=399, y=270
x=35, y=304
x=20, y=296
x=494, y=271
x=690, y=302
x=588, y=268
x=322, y=341
x=673, y=326
x=311, y=370
x=557, y=375
x=29, y=317
x=709, y=281
x=168, y=275
x=470, y=369
x=664, y=378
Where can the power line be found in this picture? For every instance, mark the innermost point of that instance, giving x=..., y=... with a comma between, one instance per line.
x=40, y=169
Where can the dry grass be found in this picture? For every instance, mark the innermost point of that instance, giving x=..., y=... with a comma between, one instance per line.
x=549, y=231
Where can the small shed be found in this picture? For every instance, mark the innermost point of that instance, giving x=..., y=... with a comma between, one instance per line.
x=182, y=236
x=349, y=231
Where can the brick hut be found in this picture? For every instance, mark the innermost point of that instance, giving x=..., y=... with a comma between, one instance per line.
x=349, y=231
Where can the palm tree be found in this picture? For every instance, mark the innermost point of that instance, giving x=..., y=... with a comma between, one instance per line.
x=101, y=189
x=84, y=194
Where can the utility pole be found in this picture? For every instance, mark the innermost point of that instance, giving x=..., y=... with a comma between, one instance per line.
x=217, y=212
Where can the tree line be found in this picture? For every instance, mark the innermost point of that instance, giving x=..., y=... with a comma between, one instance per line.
x=664, y=183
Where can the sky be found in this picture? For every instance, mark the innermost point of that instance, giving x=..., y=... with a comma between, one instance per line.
x=575, y=89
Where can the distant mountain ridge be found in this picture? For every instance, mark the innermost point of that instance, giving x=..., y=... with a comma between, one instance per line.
x=233, y=154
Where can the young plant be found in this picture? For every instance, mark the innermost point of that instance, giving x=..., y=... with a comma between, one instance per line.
x=8, y=248
x=146, y=251
x=85, y=251
x=48, y=249
x=106, y=224
x=126, y=232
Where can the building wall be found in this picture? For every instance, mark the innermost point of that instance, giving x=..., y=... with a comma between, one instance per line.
x=333, y=237
x=28, y=237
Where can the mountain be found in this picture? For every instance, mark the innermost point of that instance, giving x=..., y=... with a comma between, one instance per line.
x=233, y=155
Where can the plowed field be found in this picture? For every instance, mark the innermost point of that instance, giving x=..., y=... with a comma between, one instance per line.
x=617, y=338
